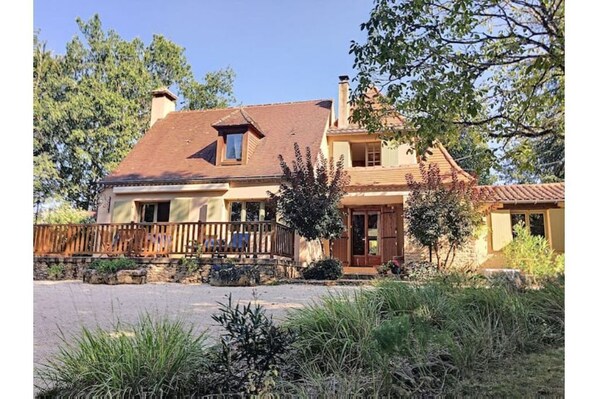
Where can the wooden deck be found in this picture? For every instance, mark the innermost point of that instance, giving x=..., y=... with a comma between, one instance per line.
x=249, y=239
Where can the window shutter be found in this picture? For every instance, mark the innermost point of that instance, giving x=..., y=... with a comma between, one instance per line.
x=215, y=210
x=342, y=148
x=557, y=229
x=501, y=229
x=180, y=210
x=122, y=212
x=390, y=154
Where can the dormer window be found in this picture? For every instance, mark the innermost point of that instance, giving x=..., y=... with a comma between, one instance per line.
x=238, y=137
x=233, y=147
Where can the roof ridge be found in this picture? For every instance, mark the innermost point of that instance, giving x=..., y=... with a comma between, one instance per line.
x=238, y=107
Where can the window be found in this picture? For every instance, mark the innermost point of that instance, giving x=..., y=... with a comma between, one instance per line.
x=365, y=154
x=233, y=144
x=154, y=212
x=251, y=211
x=533, y=221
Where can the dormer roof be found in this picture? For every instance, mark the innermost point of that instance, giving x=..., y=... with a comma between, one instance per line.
x=237, y=118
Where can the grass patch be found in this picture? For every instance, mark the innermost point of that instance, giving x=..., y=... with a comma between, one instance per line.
x=112, y=265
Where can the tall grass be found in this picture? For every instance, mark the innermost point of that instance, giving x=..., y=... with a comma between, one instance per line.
x=154, y=358
x=421, y=339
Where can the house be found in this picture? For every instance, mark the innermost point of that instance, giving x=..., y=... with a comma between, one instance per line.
x=217, y=166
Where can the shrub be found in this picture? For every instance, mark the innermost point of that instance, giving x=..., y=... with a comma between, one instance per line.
x=113, y=265
x=533, y=255
x=420, y=271
x=153, y=359
x=324, y=269
x=66, y=213
x=251, y=350
x=56, y=271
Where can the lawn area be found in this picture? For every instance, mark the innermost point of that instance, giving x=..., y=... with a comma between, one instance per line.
x=522, y=376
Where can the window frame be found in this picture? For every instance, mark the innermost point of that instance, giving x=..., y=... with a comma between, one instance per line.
x=243, y=215
x=222, y=146
x=376, y=146
x=527, y=213
x=141, y=210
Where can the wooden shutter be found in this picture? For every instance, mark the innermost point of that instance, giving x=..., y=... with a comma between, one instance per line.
x=388, y=233
x=556, y=218
x=122, y=212
x=180, y=209
x=502, y=234
x=340, y=249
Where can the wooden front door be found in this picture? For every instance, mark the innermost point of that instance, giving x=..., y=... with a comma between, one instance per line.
x=365, y=238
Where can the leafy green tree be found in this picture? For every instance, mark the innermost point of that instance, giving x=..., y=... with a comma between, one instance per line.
x=310, y=193
x=493, y=66
x=440, y=216
x=92, y=104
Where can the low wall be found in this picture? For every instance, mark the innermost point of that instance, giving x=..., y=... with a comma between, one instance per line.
x=166, y=270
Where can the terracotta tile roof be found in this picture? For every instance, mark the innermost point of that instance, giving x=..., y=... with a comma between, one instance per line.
x=182, y=146
x=526, y=193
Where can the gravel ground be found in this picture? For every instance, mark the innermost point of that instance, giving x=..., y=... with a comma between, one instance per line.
x=69, y=305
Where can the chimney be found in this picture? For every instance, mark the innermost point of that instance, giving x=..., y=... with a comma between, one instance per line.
x=343, y=101
x=163, y=102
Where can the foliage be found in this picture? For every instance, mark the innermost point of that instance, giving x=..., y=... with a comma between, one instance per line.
x=251, y=351
x=533, y=255
x=56, y=271
x=324, y=269
x=310, y=194
x=392, y=266
x=92, y=104
x=420, y=271
x=191, y=264
x=473, y=154
x=494, y=69
x=112, y=265
x=66, y=213
x=422, y=340
x=441, y=217
x=530, y=160
x=150, y=359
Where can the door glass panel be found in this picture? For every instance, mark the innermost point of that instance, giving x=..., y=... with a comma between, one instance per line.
x=517, y=218
x=163, y=211
x=373, y=234
x=536, y=224
x=235, y=212
x=148, y=213
x=253, y=211
x=358, y=236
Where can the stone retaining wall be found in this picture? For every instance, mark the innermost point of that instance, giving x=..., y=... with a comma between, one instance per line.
x=167, y=270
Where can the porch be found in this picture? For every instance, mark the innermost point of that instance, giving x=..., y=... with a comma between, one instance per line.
x=215, y=239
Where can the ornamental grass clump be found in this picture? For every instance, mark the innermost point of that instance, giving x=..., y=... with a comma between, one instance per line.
x=423, y=339
x=105, y=266
x=154, y=358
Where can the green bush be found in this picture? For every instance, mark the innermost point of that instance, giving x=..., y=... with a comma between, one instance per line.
x=113, y=265
x=324, y=269
x=56, y=271
x=66, y=213
x=420, y=271
x=152, y=359
x=251, y=352
x=533, y=255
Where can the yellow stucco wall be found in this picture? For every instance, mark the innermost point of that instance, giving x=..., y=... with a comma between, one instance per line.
x=500, y=229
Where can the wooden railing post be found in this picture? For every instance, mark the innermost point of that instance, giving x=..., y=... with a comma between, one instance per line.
x=274, y=240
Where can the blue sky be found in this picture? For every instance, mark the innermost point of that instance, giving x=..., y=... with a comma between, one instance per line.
x=279, y=50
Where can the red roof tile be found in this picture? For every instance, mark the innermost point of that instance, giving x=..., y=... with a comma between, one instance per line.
x=514, y=193
x=182, y=146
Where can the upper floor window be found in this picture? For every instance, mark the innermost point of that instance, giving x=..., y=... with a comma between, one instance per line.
x=233, y=147
x=366, y=154
x=252, y=211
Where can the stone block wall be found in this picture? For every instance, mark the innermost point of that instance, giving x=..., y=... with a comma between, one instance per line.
x=168, y=270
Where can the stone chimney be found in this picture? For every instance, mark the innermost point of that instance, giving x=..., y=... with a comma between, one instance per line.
x=343, y=101
x=163, y=102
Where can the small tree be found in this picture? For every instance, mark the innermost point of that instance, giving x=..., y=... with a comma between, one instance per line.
x=310, y=193
x=441, y=216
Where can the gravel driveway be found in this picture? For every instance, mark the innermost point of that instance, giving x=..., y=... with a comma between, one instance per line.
x=68, y=305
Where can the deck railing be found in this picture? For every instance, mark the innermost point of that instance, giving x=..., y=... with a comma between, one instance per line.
x=163, y=239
